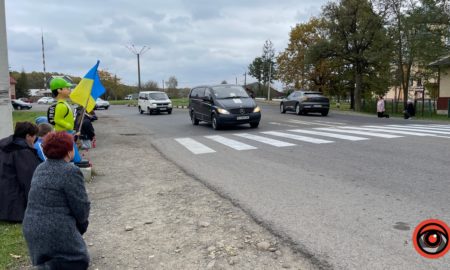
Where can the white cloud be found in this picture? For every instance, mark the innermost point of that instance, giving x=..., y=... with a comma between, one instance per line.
x=198, y=41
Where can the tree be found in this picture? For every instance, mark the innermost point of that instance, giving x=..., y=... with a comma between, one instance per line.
x=268, y=62
x=150, y=86
x=172, y=83
x=357, y=36
x=22, y=89
x=224, y=82
x=255, y=69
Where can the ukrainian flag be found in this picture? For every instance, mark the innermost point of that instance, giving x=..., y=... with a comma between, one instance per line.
x=88, y=90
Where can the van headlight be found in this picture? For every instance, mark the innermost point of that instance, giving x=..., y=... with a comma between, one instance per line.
x=222, y=111
x=257, y=109
x=153, y=105
x=170, y=105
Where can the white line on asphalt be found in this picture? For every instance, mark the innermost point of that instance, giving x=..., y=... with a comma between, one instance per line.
x=194, y=146
x=265, y=140
x=416, y=129
x=332, y=123
x=423, y=128
x=332, y=135
x=231, y=143
x=311, y=123
x=381, y=128
x=281, y=124
x=374, y=134
x=296, y=137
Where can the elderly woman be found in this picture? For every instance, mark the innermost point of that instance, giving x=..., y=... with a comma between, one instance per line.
x=58, y=209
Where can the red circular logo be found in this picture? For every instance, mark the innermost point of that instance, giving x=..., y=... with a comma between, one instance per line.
x=431, y=238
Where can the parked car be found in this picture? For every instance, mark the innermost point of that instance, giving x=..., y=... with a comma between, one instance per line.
x=20, y=105
x=154, y=101
x=303, y=102
x=100, y=103
x=223, y=105
x=46, y=100
x=129, y=97
x=27, y=100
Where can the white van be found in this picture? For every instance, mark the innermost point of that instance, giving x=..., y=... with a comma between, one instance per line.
x=154, y=101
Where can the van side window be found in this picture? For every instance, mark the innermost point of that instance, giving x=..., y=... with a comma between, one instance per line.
x=207, y=92
x=194, y=92
x=201, y=92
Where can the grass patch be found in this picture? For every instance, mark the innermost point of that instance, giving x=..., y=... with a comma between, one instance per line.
x=180, y=101
x=20, y=116
x=13, y=249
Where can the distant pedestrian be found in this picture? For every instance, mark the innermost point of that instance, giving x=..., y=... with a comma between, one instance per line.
x=58, y=208
x=410, y=110
x=381, y=109
x=18, y=160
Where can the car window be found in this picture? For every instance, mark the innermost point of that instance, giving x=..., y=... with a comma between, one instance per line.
x=229, y=91
x=141, y=96
x=194, y=92
x=207, y=92
x=201, y=92
x=158, y=96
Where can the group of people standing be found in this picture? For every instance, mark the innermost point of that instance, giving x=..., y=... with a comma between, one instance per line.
x=41, y=187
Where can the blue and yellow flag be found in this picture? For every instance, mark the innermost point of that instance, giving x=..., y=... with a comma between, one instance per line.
x=88, y=90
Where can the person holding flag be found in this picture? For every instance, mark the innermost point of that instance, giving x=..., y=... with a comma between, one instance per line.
x=87, y=91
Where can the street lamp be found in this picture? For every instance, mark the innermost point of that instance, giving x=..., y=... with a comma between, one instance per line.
x=138, y=53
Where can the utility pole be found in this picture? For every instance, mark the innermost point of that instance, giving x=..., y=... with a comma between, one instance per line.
x=245, y=79
x=236, y=80
x=268, y=90
x=6, y=123
x=163, y=84
x=43, y=60
x=138, y=53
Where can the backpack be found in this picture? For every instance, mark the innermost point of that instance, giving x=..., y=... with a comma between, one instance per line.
x=51, y=113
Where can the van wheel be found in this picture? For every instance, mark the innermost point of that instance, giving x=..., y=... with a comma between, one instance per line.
x=214, y=123
x=140, y=110
x=194, y=120
x=254, y=125
x=282, y=109
x=149, y=111
x=324, y=113
x=169, y=111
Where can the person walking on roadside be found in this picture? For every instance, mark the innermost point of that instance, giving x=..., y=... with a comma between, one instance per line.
x=58, y=208
x=18, y=160
x=410, y=110
x=380, y=108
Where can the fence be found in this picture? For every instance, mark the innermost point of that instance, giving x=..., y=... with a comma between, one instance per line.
x=426, y=107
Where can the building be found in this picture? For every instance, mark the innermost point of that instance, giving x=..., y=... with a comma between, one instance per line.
x=443, y=66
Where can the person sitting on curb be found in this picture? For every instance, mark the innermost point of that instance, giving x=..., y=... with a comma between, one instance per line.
x=58, y=209
x=18, y=160
x=44, y=128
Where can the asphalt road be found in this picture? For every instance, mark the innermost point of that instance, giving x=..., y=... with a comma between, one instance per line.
x=348, y=202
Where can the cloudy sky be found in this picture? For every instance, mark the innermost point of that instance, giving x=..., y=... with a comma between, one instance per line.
x=197, y=41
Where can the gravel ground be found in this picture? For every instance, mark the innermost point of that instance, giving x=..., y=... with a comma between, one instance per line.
x=148, y=214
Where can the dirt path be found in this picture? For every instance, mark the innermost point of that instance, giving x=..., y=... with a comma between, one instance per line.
x=148, y=214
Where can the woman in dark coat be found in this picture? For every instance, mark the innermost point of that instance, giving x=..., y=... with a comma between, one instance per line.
x=18, y=160
x=58, y=209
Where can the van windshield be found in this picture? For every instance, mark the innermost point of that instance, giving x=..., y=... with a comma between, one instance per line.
x=222, y=92
x=158, y=96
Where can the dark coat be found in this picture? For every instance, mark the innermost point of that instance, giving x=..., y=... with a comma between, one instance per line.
x=87, y=129
x=17, y=164
x=57, y=214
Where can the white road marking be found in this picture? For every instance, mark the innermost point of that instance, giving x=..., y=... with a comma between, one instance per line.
x=296, y=137
x=332, y=135
x=231, y=143
x=194, y=146
x=265, y=140
x=310, y=123
x=423, y=128
x=381, y=128
x=416, y=129
x=374, y=134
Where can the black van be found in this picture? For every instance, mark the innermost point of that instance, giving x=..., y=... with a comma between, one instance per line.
x=222, y=105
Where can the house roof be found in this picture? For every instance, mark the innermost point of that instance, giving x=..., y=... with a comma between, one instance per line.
x=12, y=81
x=443, y=61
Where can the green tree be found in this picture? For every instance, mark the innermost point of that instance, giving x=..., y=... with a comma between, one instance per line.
x=358, y=38
x=22, y=89
x=269, y=67
x=255, y=69
x=150, y=86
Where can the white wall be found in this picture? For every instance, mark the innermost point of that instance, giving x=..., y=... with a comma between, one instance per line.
x=6, y=126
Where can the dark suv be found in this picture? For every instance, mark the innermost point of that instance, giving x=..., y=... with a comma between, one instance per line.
x=223, y=105
x=303, y=102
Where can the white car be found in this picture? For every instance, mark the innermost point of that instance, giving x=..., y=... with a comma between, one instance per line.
x=154, y=101
x=100, y=103
x=46, y=100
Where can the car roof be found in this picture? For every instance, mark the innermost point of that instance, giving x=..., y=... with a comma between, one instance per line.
x=151, y=92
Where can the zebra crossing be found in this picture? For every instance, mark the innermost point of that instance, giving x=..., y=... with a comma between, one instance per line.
x=320, y=135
